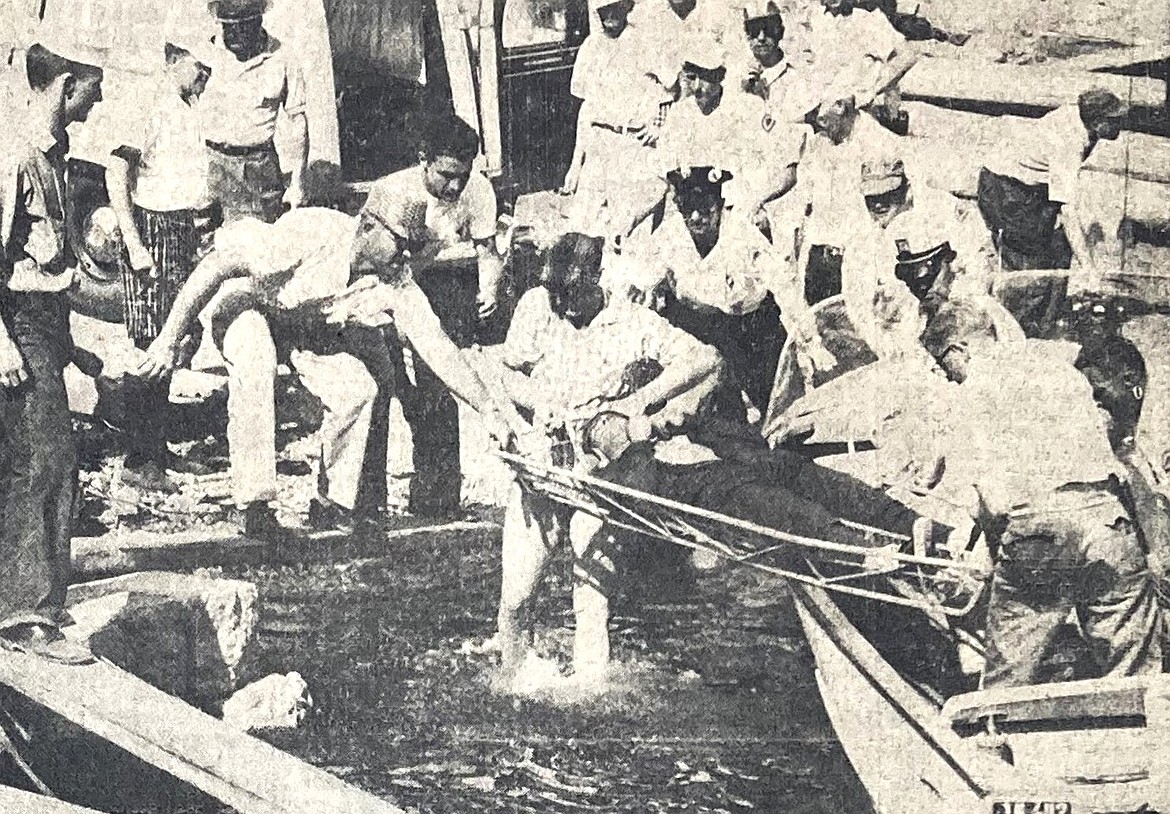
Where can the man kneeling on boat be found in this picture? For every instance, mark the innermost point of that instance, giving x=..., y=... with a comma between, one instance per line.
x=1023, y=448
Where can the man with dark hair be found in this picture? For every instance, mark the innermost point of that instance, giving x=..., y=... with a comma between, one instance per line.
x=38, y=456
x=252, y=77
x=1025, y=452
x=158, y=188
x=459, y=269
x=1030, y=181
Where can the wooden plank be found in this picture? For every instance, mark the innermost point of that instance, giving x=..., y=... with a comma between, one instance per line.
x=22, y=802
x=454, y=19
x=489, y=89
x=241, y=771
x=1044, y=86
x=1140, y=156
x=1099, y=697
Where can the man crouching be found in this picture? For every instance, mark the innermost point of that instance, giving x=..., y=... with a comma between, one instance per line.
x=571, y=355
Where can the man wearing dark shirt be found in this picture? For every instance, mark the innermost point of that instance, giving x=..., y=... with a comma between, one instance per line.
x=38, y=458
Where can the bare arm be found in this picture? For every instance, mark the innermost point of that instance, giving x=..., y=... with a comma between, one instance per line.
x=300, y=159
x=119, y=183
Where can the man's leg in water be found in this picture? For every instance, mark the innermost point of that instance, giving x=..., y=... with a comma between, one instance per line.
x=531, y=532
x=594, y=579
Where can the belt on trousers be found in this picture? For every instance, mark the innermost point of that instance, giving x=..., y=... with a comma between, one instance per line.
x=241, y=151
x=614, y=128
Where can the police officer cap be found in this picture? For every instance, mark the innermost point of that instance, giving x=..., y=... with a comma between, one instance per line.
x=235, y=10
x=760, y=10
x=705, y=60
x=698, y=181
x=597, y=6
x=882, y=176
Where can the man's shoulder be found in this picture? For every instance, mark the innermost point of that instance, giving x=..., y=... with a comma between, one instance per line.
x=408, y=181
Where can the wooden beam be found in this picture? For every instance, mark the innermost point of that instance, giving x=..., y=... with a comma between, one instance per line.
x=1043, y=86
x=242, y=772
x=23, y=802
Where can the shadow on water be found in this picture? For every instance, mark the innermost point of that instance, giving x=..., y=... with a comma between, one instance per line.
x=713, y=706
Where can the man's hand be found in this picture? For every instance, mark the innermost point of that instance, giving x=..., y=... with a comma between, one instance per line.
x=505, y=425
x=141, y=263
x=569, y=185
x=487, y=302
x=160, y=359
x=13, y=373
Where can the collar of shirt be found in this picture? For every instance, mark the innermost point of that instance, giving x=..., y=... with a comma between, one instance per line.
x=769, y=76
x=224, y=57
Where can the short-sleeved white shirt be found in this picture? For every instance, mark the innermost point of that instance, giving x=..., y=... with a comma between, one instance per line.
x=471, y=217
x=172, y=164
x=242, y=99
x=535, y=331
x=1049, y=151
x=611, y=78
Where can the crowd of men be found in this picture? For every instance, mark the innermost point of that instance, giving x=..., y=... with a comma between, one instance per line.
x=729, y=182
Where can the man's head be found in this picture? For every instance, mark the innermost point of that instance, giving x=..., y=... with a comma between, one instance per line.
x=682, y=7
x=389, y=227
x=187, y=74
x=958, y=331
x=699, y=194
x=885, y=189
x=1117, y=373
x=839, y=7
x=102, y=237
x=69, y=87
x=836, y=119
x=1102, y=113
x=242, y=25
x=614, y=16
x=765, y=30
x=703, y=72
x=447, y=155
x=573, y=278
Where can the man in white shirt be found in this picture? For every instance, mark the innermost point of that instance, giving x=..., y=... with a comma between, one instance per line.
x=611, y=175
x=730, y=131
x=158, y=189
x=769, y=74
x=1030, y=182
x=1026, y=454
x=253, y=78
x=460, y=271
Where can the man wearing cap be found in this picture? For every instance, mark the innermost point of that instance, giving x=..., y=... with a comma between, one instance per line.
x=461, y=273
x=253, y=78
x=1030, y=182
x=913, y=254
x=768, y=73
x=610, y=174
x=38, y=456
x=724, y=282
x=678, y=26
x=730, y=131
x=158, y=189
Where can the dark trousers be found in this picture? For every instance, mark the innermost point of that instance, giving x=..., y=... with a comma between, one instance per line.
x=1023, y=223
x=1080, y=555
x=428, y=406
x=38, y=462
x=246, y=183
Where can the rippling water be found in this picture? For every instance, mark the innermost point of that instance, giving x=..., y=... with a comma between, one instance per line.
x=712, y=706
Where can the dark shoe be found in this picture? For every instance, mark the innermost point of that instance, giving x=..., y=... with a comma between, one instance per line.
x=258, y=520
x=325, y=515
x=148, y=477
x=46, y=641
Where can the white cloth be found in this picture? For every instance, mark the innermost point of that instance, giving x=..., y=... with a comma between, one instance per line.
x=611, y=78
x=535, y=331
x=1049, y=151
x=172, y=167
x=847, y=52
x=712, y=23
x=242, y=99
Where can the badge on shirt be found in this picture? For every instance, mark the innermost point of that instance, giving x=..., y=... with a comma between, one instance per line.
x=767, y=122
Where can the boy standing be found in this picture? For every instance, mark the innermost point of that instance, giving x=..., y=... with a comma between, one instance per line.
x=38, y=458
x=158, y=188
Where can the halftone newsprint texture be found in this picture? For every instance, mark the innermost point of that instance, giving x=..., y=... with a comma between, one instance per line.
x=568, y=406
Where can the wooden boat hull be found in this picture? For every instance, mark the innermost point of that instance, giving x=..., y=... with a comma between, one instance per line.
x=1095, y=746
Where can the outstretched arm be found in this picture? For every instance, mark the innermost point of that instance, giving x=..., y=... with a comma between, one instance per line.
x=193, y=297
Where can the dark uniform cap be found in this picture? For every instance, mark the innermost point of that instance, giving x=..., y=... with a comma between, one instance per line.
x=235, y=10
x=698, y=182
